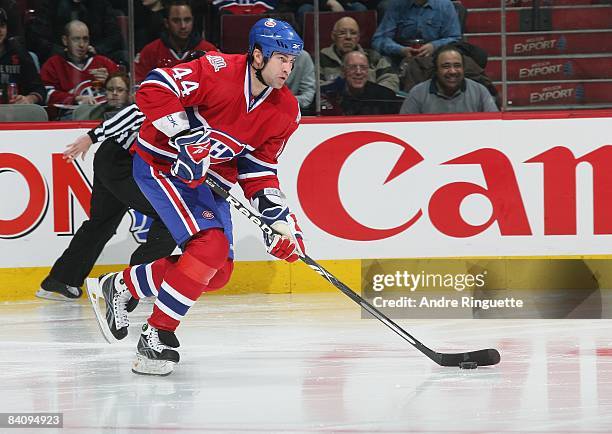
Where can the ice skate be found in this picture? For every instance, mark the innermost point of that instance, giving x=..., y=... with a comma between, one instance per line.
x=52, y=289
x=118, y=302
x=155, y=355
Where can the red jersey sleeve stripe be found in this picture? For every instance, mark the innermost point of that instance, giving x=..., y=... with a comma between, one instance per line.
x=161, y=78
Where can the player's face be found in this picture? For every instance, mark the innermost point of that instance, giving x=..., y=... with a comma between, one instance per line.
x=77, y=42
x=277, y=70
x=449, y=71
x=117, y=92
x=180, y=22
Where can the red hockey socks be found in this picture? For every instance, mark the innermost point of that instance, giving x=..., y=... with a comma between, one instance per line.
x=143, y=280
x=185, y=280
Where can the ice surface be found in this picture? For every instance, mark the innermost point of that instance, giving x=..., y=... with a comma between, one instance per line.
x=305, y=363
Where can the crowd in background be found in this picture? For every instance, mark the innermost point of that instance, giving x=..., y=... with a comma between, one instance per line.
x=71, y=56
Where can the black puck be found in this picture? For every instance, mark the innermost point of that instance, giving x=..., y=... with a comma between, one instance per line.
x=468, y=365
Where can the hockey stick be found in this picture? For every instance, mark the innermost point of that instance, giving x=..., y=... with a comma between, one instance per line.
x=481, y=357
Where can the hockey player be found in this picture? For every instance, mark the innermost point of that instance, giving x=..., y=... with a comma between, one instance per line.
x=224, y=116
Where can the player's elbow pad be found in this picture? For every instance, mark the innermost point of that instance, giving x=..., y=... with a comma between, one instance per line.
x=173, y=124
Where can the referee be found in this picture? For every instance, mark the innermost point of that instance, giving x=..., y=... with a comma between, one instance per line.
x=113, y=192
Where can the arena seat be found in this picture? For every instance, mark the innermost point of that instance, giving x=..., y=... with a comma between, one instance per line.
x=482, y=4
x=565, y=67
x=88, y=112
x=559, y=52
x=545, y=43
x=123, y=22
x=557, y=17
x=546, y=95
x=22, y=113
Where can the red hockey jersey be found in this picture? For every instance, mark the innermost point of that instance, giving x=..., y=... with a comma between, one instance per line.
x=248, y=134
x=159, y=55
x=64, y=80
x=246, y=7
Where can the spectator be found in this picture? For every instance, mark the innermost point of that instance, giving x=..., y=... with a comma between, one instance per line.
x=345, y=36
x=117, y=91
x=148, y=22
x=243, y=7
x=236, y=7
x=76, y=77
x=15, y=27
x=448, y=91
x=176, y=43
x=301, y=81
x=52, y=16
x=354, y=94
x=434, y=22
x=16, y=66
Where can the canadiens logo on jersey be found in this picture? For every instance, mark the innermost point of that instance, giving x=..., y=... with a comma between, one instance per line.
x=208, y=215
x=223, y=147
x=86, y=88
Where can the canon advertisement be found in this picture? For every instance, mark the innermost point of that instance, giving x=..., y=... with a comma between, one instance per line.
x=400, y=188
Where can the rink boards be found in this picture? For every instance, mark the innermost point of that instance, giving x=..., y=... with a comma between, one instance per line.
x=484, y=185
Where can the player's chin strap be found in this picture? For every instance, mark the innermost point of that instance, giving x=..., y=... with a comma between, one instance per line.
x=258, y=73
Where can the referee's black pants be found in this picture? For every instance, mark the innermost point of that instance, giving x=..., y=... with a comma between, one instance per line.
x=114, y=191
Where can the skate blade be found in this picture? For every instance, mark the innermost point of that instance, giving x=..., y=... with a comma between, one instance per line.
x=94, y=293
x=55, y=296
x=144, y=366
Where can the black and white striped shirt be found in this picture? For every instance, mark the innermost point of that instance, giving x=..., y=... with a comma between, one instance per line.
x=123, y=127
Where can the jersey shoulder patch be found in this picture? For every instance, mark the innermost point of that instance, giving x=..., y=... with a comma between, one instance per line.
x=217, y=62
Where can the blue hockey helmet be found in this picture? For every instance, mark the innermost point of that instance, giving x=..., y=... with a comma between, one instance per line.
x=274, y=36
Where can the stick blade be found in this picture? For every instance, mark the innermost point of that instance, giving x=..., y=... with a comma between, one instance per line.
x=486, y=357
